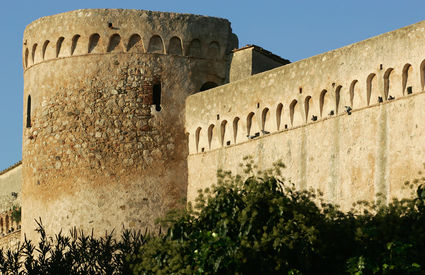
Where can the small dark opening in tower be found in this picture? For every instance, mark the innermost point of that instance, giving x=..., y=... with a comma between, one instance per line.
x=409, y=90
x=29, y=112
x=157, y=96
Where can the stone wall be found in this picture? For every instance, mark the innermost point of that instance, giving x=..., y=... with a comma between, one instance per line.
x=10, y=187
x=10, y=241
x=10, y=198
x=103, y=142
x=297, y=113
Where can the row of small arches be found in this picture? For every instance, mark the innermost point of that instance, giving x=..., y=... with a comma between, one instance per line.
x=304, y=110
x=8, y=225
x=55, y=49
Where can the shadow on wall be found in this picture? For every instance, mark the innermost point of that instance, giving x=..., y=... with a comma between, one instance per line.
x=134, y=44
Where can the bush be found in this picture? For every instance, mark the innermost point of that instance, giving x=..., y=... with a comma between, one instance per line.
x=74, y=254
x=257, y=224
x=263, y=225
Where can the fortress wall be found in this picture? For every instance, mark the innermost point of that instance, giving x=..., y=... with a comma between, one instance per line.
x=11, y=241
x=10, y=187
x=350, y=157
x=102, y=149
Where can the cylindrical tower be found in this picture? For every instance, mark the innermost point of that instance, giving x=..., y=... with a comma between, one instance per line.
x=103, y=142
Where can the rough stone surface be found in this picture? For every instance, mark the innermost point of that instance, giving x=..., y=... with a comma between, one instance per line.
x=98, y=153
x=296, y=113
x=10, y=241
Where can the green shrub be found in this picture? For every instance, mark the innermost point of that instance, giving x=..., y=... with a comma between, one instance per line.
x=261, y=224
x=74, y=254
x=256, y=224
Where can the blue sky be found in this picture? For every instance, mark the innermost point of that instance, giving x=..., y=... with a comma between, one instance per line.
x=292, y=29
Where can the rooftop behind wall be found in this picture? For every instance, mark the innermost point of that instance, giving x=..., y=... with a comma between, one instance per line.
x=251, y=60
x=333, y=143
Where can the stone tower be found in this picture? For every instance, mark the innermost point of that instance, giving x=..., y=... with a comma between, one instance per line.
x=104, y=144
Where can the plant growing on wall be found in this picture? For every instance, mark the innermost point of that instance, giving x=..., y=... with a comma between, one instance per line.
x=16, y=214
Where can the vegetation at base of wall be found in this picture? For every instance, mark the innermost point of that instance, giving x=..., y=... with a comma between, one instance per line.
x=75, y=253
x=260, y=224
x=253, y=224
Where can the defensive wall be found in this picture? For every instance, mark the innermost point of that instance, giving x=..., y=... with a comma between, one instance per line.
x=10, y=198
x=104, y=91
x=349, y=122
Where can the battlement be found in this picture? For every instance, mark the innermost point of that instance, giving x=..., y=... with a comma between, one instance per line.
x=102, y=31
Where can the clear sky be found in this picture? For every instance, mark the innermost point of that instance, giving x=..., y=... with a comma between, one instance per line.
x=294, y=29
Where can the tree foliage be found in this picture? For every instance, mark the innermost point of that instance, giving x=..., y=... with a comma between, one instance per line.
x=258, y=223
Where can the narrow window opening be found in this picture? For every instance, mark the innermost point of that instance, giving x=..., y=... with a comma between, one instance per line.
x=322, y=101
x=74, y=43
x=218, y=117
x=34, y=48
x=407, y=69
x=370, y=86
x=228, y=143
x=301, y=90
x=157, y=96
x=409, y=90
x=249, y=124
x=258, y=105
x=43, y=52
x=337, y=98
x=197, y=135
x=292, y=112
x=29, y=112
x=223, y=131
x=235, y=129
x=422, y=67
x=264, y=120
x=387, y=83
x=7, y=224
x=307, y=107
x=352, y=93
x=26, y=58
x=59, y=46
x=210, y=135
x=278, y=115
